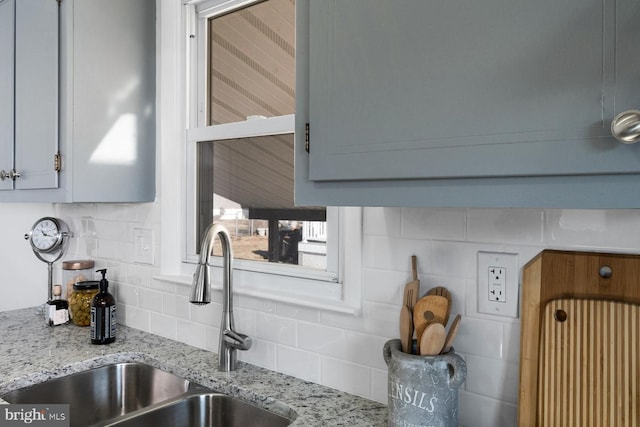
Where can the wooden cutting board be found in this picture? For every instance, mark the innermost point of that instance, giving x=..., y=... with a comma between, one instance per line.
x=562, y=382
x=588, y=370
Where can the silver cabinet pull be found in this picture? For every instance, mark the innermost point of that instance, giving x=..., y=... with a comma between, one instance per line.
x=625, y=127
x=12, y=174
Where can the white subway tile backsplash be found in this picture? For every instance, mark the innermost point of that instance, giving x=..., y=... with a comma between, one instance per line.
x=163, y=325
x=384, y=286
x=208, y=314
x=299, y=313
x=350, y=377
x=345, y=351
x=276, y=329
x=128, y=295
x=476, y=410
x=365, y=349
x=381, y=319
x=150, y=300
x=381, y=221
x=139, y=275
x=176, y=306
x=191, y=333
x=137, y=318
x=298, y=363
x=511, y=342
x=617, y=230
x=345, y=321
x=387, y=253
x=124, y=251
x=325, y=340
x=107, y=249
x=379, y=385
x=246, y=321
x=437, y=224
x=262, y=353
x=480, y=337
x=518, y=226
x=493, y=378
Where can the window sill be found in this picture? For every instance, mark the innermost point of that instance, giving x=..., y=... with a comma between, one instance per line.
x=302, y=300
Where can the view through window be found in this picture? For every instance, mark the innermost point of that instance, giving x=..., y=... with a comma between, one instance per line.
x=246, y=183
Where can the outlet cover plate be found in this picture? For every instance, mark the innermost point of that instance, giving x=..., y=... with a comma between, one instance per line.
x=498, y=278
x=143, y=246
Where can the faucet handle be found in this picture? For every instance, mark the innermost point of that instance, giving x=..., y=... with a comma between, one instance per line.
x=237, y=340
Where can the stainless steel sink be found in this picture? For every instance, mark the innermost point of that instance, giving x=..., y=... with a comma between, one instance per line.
x=137, y=394
x=205, y=410
x=106, y=392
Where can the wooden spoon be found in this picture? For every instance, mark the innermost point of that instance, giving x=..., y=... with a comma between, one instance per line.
x=443, y=292
x=436, y=304
x=451, y=335
x=432, y=339
x=406, y=329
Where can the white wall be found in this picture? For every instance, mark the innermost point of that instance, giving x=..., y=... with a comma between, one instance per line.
x=342, y=351
x=23, y=277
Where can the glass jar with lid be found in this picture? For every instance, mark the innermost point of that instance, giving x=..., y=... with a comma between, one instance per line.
x=74, y=271
x=80, y=302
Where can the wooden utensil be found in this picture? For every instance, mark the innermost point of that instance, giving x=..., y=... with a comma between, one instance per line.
x=451, y=335
x=436, y=304
x=406, y=329
x=432, y=339
x=443, y=292
x=412, y=288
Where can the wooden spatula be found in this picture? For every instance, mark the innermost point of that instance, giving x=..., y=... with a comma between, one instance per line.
x=437, y=305
x=406, y=329
x=432, y=339
x=412, y=288
x=451, y=335
x=409, y=298
x=443, y=292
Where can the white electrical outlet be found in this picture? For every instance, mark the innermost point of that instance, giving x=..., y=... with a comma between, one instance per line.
x=498, y=284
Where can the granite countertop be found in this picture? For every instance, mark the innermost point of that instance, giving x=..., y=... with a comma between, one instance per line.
x=31, y=352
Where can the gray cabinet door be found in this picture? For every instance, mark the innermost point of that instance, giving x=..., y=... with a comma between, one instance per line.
x=7, y=13
x=36, y=93
x=441, y=90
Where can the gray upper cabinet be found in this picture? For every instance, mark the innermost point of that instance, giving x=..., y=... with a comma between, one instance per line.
x=490, y=104
x=83, y=101
x=36, y=94
x=7, y=15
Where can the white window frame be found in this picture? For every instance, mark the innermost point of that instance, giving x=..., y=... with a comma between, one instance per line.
x=338, y=289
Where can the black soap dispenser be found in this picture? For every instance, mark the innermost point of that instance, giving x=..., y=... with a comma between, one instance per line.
x=103, y=314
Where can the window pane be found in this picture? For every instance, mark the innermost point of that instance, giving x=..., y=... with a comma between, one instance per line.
x=252, y=62
x=247, y=185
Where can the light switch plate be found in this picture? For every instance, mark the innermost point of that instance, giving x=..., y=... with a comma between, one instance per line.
x=498, y=279
x=143, y=245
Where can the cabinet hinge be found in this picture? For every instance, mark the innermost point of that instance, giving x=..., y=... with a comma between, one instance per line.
x=57, y=162
x=306, y=137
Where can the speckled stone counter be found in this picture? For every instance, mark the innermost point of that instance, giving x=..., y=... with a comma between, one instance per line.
x=31, y=352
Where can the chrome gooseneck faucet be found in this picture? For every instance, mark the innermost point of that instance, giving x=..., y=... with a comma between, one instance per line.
x=230, y=340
